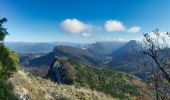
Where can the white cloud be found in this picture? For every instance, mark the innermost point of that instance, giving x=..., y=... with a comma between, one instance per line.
x=86, y=34
x=73, y=26
x=114, y=25
x=134, y=29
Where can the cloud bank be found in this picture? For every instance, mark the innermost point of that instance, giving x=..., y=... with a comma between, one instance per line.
x=134, y=29
x=86, y=34
x=75, y=26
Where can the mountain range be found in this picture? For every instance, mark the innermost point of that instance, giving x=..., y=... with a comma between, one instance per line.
x=115, y=55
x=94, y=54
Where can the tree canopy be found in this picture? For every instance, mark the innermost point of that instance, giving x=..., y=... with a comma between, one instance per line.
x=8, y=64
x=3, y=31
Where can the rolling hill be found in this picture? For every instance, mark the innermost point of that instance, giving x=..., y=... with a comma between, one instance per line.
x=77, y=54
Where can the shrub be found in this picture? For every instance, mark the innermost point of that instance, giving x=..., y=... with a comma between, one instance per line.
x=6, y=91
x=67, y=72
x=8, y=62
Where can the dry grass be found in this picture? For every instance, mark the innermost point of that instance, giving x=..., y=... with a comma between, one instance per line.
x=36, y=88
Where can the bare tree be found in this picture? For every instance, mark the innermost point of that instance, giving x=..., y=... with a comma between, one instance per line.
x=156, y=46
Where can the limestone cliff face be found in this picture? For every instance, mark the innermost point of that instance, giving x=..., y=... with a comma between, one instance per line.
x=61, y=71
x=54, y=72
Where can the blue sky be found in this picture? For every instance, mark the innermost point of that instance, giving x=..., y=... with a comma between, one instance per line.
x=83, y=21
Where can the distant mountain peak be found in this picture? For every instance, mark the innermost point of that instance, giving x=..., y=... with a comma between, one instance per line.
x=134, y=42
